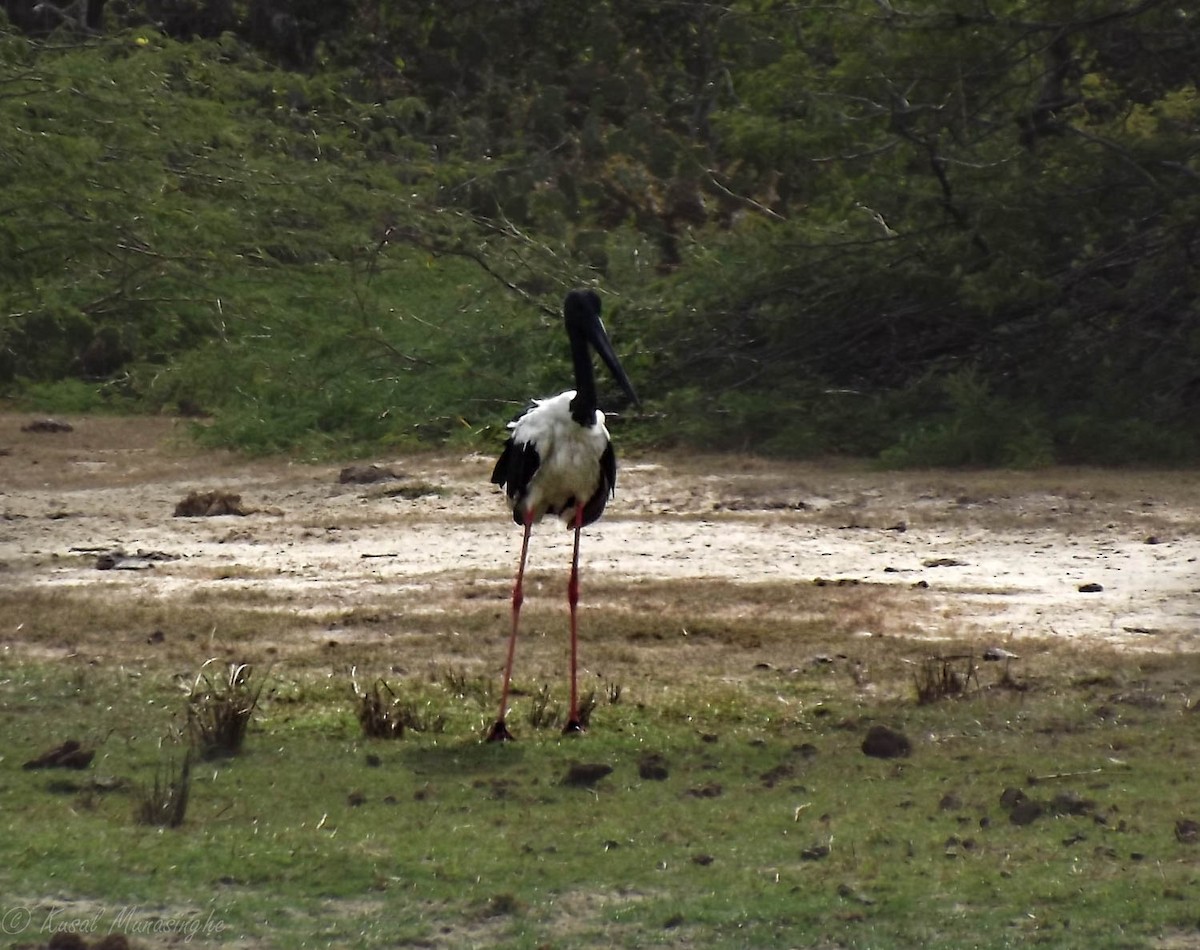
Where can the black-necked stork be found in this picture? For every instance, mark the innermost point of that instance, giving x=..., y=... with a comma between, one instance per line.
x=559, y=460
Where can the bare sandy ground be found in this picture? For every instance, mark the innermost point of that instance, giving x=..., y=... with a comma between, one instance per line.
x=997, y=554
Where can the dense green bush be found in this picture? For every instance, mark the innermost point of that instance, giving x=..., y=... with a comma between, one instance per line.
x=939, y=236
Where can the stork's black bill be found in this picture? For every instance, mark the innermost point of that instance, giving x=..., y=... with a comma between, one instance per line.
x=581, y=314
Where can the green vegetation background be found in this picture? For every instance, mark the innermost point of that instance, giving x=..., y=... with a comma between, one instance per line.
x=935, y=233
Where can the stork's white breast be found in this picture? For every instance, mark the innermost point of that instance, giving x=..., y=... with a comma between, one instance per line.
x=569, y=454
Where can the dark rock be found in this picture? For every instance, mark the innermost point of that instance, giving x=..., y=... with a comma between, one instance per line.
x=1026, y=812
x=772, y=777
x=366, y=474
x=210, y=504
x=652, y=767
x=66, y=940
x=502, y=905
x=815, y=853
x=47, y=425
x=1187, y=831
x=884, y=743
x=1068, y=803
x=1011, y=797
x=1091, y=588
x=69, y=755
x=586, y=774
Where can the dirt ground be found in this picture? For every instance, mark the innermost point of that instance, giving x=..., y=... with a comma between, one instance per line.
x=1001, y=555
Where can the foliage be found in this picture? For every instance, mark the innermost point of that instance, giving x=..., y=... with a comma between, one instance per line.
x=341, y=225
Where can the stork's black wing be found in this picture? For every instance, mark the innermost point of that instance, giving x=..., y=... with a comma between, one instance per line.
x=604, y=491
x=514, y=471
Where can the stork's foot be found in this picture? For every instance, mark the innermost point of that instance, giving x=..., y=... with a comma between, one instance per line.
x=574, y=728
x=499, y=732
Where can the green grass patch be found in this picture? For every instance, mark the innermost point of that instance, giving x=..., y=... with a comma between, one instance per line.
x=733, y=815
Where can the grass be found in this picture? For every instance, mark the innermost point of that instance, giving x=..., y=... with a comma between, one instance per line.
x=766, y=825
x=720, y=799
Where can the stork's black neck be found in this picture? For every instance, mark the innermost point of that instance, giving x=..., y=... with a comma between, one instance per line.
x=584, y=405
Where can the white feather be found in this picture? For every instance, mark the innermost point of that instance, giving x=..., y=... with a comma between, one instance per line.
x=569, y=454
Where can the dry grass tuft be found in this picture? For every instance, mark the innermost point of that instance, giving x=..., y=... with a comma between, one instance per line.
x=476, y=688
x=942, y=677
x=219, y=711
x=165, y=803
x=385, y=715
x=379, y=712
x=544, y=713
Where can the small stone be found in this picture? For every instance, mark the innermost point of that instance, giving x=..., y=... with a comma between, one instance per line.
x=586, y=774
x=366, y=474
x=70, y=755
x=652, y=767
x=66, y=940
x=1011, y=797
x=1026, y=812
x=884, y=743
x=47, y=425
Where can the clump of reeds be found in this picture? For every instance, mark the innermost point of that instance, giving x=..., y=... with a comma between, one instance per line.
x=219, y=710
x=164, y=804
x=385, y=715
x=941, y=677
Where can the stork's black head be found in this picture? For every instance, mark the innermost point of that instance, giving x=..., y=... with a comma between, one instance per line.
x=581, y=314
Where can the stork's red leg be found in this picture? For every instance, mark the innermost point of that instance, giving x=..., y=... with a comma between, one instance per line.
x=573, y=723
x=499, y=731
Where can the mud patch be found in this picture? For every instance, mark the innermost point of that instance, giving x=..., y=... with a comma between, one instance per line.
x=1000, y=556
